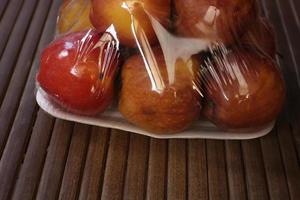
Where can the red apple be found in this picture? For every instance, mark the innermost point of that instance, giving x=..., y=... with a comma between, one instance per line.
x=221, y=21
x=243, y=89
x=119, y=13
x=78, y=71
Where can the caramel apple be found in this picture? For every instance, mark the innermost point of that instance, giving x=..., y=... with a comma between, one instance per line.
x=74, y=16
x=78, y=71
x=261, y=36
x=221, y=21
x=243, y=89
x=130, y=15
x=151, y=100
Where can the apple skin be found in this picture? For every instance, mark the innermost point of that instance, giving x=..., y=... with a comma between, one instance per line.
x=261, y=36
x=110, y=12
x=70, y=74
x=173, y=109
x=245, y=92
x=221, y=21
x=74, y=16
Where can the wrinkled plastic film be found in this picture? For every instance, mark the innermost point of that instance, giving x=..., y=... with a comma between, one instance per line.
x=168, y=64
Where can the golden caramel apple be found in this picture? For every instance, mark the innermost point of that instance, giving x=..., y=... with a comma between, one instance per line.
x=261, y=36
x=221, y=21
x=243, y=90
x=151, y=100
x=120, y=14
x=74, y=16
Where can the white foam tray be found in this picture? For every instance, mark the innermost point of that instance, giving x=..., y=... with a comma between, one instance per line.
x=113, y=119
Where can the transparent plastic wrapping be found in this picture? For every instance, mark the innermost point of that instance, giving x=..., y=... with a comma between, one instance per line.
x=165, y=65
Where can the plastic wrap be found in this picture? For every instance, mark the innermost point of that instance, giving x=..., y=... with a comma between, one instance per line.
x=165, y=65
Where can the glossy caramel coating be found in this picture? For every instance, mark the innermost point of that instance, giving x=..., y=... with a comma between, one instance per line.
x=74, y=16
x=170, y=110
x=74, y=76
x=221, y=21
x=119, y=13
x=243, y=90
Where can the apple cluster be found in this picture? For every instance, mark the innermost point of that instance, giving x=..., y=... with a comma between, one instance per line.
x=179, y=61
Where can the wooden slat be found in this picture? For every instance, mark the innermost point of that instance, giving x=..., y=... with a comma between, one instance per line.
x=75, y=162
x=29, y=176
x=157, y=169
x=19, y=135
x=15, y=148
x=55, y=161
x=16, y=40
x=274, y=168
x=197, y=170
x=8, y=21
x=289, y=158
x=295, y=127
x=115, y=168
x=281, y=14
x=217, y=179
x=254, y=170
x=3, y=5
x=235, y=170
x=14, y=92
x=92, y=180
x=291, y=27
x=292, y=32
x=295, y=4
x=287, y=45
x=137, y=167
x=177, y=170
